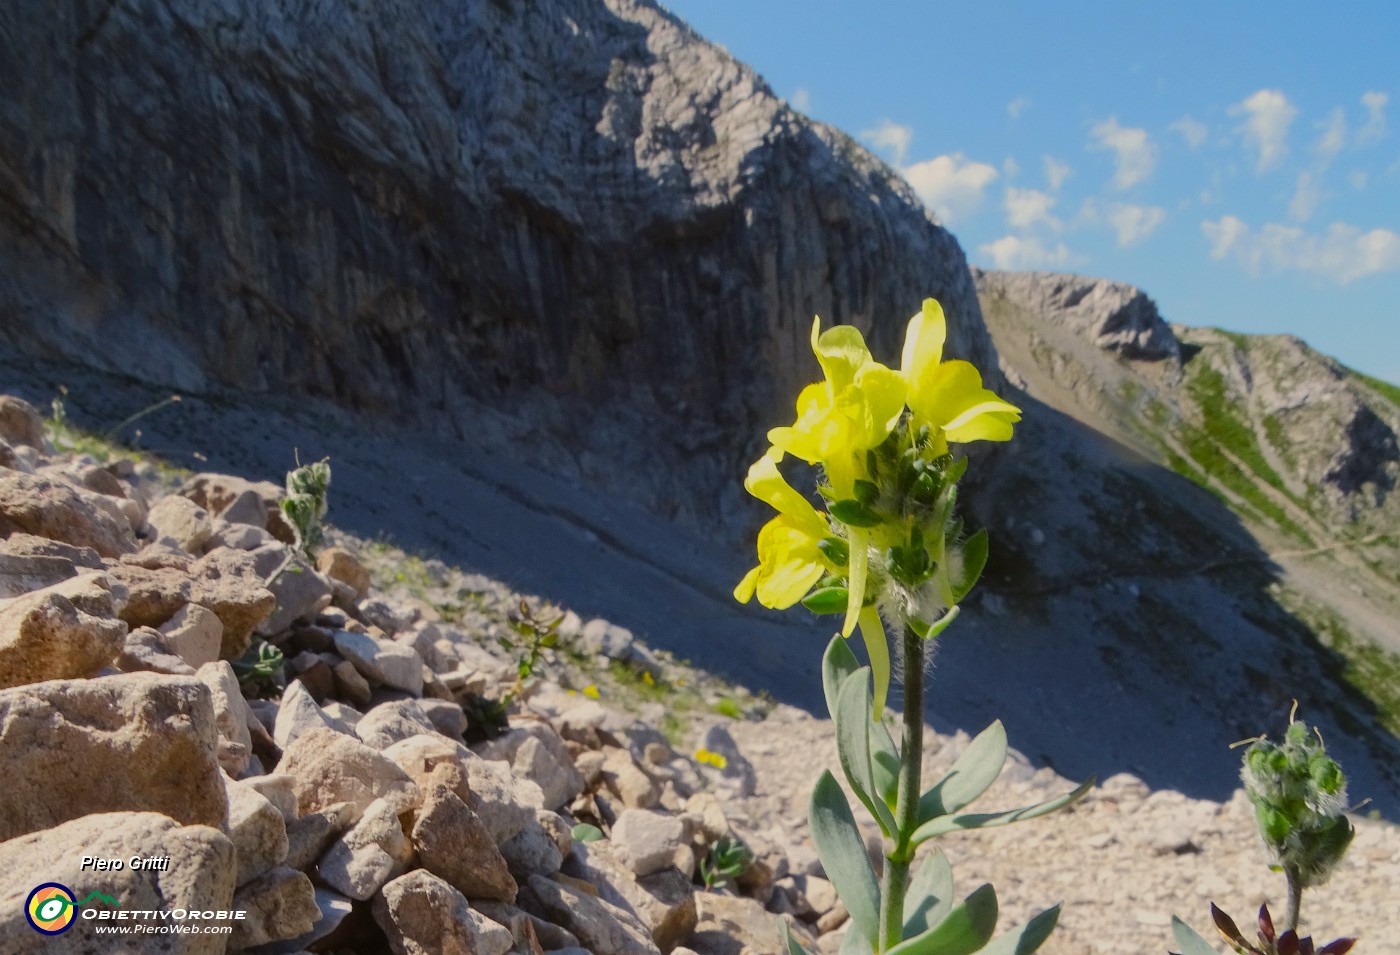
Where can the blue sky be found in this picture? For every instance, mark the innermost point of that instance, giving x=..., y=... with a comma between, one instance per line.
x=1240, y=163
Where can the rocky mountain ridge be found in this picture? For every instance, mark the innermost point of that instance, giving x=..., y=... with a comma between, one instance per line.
x=570, y=227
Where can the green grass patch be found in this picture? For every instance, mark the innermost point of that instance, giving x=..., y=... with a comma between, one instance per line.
x=1385, y=389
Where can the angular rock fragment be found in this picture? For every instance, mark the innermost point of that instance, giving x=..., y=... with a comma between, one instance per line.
x=150, y=740
x=423, y=915
x=59, y=511
x=330, y=768
x=46, y=636
x=454, y=844
x=280, y=905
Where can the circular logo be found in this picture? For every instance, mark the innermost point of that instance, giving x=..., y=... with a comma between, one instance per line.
x=49, y=908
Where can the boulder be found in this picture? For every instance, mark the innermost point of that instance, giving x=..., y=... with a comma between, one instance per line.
x=330, y=768
x=389, y=723
x=310, y=835
x=371, y=853
x=382, y=662
x=258, y=831
x=646, y=842
x=59, y=511
x=22, y=573
x=62, y=632
x=153, y=594
x=231, y=715
x=200, y=875
x=453, y=843
x=301, y=592
x=21, y=425
x=194, y=634
x=280, y=905
x=28, y=545
x=532, y=851
x=600, y=926
x=423, y=915
x=226, y=581
x=145, y=650
x=729, y=924
x=339, y=564
x=183, y=521
x=151, y=741
x=299, y=714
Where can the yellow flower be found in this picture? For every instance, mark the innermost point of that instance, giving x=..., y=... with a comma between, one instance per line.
x=789, y=560
x=711, y=759
x=591, y=691
x=948, y=395
x=847, y=414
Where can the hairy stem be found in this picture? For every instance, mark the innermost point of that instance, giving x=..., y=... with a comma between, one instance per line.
x=911, y=758
x=1295, y=897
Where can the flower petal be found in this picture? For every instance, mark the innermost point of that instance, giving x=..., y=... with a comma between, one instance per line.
x=765, y=483
x=789, y=563
x=882, y=391
x=841, y=351
x=877, y=648
x=923, y=340
x=744, y=591
x=951, y=396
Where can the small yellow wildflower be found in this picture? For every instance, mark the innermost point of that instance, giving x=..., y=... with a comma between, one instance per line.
x=591, y=691
x=948, y=395
x=711, y=758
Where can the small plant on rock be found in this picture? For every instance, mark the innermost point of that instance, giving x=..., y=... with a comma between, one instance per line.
x=725, y=862
x=304, y=507
x=889, y=547
x=1299, y=794
x=257, y=670
x=538, y=632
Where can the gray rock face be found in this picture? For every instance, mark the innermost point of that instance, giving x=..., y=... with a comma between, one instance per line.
x=1115, y=316
x=519, y=205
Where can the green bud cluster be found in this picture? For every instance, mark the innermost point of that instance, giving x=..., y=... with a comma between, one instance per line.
x=1299, y=794
x=304, y=507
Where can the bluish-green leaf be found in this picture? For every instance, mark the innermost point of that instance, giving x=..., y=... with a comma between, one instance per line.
x=974, y=561
x=790, y=945
x=583, y=832
x=1024, y=939
x=988, y=820
x=853, y=725
x=930, y=631
x=827, y=600
x=972, y=775
x=837, y=663
x=853, y=513
x=884, y=763
x=966, y=929
x=930, y=895
x=835, y=550
x=1189, y=940
x=854, y=943
x=842, y=853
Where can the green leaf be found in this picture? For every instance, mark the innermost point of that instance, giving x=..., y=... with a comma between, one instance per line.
x=854, y=943
x=989, y=820
x=854, y=514
x=853, y=703
x=842, y=853
x=827, y=600
x=837, y=663
x=974, y=562
x=790, y=944
x=865, y=491
x=835, y=550
x=1189, y=940
x=884, y=763
x=930, y=631
x=1026, y=938
x=583, y=832
x=966, y=929
x=972, y=775
x=930, y=896
x=955, y=470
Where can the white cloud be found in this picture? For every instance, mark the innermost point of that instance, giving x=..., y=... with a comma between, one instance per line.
x=1334, y=136
x=1358, y=180
x=1306, y=196
x=1268, y=114
x=1010, y=168
x=1374, y=129
x=801, y=99
x=1028, y=208
x=1136, y=156
x=951, y=186
x=1343, y=253
x=1055, y=173
x=1190, y=129
x=890, y=135
x=1134, y=223
x=1017, y=106
x=1016, y=253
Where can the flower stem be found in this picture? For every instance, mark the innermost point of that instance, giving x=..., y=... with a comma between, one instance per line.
x=911, y=758
x=1295, y=897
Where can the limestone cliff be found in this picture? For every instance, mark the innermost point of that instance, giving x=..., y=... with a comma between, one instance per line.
x=573, y=226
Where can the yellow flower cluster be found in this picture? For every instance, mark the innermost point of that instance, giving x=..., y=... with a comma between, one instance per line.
x=839, y=421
